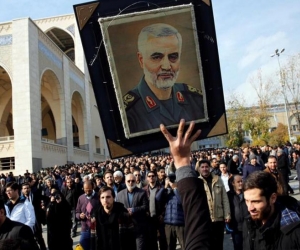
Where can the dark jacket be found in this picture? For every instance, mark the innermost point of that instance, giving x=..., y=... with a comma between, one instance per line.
x=273, y=235
x=72, y=195
x=232, y=166
x=159, y=198
x=140, y=205
x=238, y=210
x=248, y=169
x=195, y=207
x=174, y=211
x=16, y=230
x=107, y=228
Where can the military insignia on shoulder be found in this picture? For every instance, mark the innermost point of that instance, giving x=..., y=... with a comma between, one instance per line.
x=194, y=90
x=129, y=99
x=180, y=97
x=150, y=102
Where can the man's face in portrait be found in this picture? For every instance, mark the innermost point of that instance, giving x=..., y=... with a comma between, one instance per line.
x=160, y=59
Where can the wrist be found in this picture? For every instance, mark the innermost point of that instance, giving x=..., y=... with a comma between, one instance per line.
x=181, y=162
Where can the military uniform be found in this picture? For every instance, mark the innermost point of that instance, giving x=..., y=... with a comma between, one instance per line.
x=145, y=111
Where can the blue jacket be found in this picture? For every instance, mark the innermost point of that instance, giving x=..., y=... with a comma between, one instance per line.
x=174, y=212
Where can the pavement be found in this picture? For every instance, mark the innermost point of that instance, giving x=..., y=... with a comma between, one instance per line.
x=227, y=237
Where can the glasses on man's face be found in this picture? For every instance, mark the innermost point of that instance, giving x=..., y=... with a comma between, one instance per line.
x=132, y=181
x=137, y=175
x=151, y=176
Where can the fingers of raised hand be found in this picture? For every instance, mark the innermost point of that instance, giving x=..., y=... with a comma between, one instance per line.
x=189, y=131
x=166, y=133
x=180, y=128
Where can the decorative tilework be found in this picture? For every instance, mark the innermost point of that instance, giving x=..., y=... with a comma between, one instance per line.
x=76, y=79
x=71, y=28
x=50, y=55
x=6, y=40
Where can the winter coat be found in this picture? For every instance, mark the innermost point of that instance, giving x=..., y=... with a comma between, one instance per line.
x=174, y=211
x=217, y=201
x=280, y=232
x=238, y=210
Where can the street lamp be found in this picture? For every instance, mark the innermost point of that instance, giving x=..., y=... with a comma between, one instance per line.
x=277, y=53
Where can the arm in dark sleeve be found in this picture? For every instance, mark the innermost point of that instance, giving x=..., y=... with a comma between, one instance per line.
x=195, y=207
x=26, y=233
x=144, y=204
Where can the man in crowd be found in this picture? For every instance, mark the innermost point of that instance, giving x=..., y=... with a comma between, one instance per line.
x=251, y=167
x=72, y=192
x=215, y=167
x=86, y=204
x=272, y=224
x=143, y=171
x=155, y=193
x=272, y=169
x=14, y=230
x=238, y=211
x=136, y=202
x=174, y=216
x=233, y=165
x=109, y=217
x=217, y=202
x=118, y=180
x=139, y=182
x=283, y=169
x=36, y=200
x=19, y=208
x=161, y=176
x=109, y=180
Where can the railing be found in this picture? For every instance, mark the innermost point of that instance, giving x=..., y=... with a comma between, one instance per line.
x=7, y=138
x=48, y=140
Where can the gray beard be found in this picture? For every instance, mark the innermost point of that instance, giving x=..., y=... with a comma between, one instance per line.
x=130, y=188
x=160, y=83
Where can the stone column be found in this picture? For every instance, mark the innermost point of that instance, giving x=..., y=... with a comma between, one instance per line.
x=68, y=110
x=26, y=92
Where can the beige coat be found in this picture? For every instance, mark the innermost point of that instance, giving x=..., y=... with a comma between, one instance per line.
x=218, y=202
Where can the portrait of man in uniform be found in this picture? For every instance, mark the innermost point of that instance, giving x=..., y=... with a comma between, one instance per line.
x=156, y=68
x=158, y=98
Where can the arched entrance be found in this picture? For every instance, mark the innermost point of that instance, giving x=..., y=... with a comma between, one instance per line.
x=6, y=116
x=78, y=121
x=52, y=110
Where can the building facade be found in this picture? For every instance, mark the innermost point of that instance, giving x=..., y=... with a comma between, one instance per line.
x=48, y=111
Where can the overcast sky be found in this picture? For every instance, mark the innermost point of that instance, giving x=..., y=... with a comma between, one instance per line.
x=248, y=32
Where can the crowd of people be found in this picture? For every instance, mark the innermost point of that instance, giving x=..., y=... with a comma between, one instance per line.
x=154, y=201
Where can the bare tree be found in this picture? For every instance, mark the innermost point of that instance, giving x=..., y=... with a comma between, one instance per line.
x=290, y=76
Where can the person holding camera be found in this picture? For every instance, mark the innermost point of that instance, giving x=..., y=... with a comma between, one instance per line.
x=174, y=215
x=58, y=217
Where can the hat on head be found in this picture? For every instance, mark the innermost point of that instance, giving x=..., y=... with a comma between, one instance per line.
x=252, y=156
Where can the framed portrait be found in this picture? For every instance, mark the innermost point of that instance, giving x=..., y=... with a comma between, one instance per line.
x=141, y=109
x=150, y=64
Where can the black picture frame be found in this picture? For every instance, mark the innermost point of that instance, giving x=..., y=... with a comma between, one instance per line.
x=121, y=142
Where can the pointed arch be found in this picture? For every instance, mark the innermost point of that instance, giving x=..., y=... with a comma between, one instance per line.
x=6, y=112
